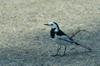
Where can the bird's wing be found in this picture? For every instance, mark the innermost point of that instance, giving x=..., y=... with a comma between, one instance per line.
x=65, y=38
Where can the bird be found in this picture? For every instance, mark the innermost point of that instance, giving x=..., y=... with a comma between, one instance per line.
x=62, y=38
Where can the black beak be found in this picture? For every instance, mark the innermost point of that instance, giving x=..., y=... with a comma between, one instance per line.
x=46, y=24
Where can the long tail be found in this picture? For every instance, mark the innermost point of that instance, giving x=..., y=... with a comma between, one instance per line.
x=74, y=34
x=72, y=41
x=83, y=46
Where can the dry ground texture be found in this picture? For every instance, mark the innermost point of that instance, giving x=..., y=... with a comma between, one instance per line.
x=25, y=41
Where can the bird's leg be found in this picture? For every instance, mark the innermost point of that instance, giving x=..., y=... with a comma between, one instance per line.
x=59, y=47
x=64, y=51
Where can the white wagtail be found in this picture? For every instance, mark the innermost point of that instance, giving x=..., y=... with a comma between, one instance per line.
x=61, y=38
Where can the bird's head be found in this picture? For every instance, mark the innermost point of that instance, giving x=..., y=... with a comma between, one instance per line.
x=53, y=25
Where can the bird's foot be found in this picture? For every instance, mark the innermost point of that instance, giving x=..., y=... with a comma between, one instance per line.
x=63, y=55
x=55, y=55
x=90, y=50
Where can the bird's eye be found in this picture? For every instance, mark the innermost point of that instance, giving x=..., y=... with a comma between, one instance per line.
x=51, y=24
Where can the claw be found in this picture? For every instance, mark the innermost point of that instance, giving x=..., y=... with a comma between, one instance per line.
x=55, y=55
x=90, y=50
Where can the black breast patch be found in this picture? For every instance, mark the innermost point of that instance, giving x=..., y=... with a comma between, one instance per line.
x=59, y=33
x=52, y=33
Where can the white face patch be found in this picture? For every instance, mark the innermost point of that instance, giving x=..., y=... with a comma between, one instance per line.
x=53, y=25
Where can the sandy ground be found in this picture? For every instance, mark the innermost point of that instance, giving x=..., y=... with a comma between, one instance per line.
x=25, y=41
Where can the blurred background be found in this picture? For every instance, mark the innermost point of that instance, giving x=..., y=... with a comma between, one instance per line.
x=25, y=41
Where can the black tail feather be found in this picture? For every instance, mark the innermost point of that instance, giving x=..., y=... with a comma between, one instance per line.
x=83, y=46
